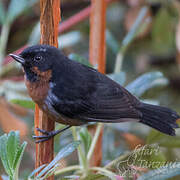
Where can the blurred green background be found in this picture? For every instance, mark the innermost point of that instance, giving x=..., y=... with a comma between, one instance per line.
x=143, y=41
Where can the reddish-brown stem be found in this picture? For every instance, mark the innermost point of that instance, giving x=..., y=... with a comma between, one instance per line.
x=78, y=17
x=49, y=21
x=97, y=54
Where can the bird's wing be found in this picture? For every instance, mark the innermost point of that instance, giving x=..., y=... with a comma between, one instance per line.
x=111, y=104
x=94, y=99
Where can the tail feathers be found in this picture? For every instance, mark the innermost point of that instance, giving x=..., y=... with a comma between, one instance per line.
x=160, y=118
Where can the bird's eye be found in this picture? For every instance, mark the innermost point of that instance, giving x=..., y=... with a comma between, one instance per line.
x=38, y=58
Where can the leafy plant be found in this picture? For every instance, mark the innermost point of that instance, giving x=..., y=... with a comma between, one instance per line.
x=11, y=152
x=45, y=171
x=145, y=82
x=131, y=35
x=86, y=139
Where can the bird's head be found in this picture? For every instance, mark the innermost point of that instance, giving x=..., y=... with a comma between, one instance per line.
x=37, y=61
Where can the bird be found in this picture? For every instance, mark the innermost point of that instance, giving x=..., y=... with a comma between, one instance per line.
x=74, y=94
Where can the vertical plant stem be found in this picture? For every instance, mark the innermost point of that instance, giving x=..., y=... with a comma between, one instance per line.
x=97, y=51
x=97, y=54
x=81, y=156
x=118, y=62
x=94, y=141
x=49, y=21
x=3, y=41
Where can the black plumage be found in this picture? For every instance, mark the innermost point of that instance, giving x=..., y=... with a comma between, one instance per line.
x=82, y=94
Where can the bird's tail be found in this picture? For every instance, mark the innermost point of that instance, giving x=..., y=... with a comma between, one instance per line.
x=160, y=118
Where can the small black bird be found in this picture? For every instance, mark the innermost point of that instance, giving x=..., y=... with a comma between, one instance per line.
x=73, y=94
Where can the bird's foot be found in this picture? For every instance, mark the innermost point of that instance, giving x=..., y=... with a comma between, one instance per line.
x=47, y=135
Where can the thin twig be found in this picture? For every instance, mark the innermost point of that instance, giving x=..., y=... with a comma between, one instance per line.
x=67, y=169
x=94, y=141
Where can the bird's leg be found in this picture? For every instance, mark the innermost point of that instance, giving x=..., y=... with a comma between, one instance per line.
x=47, y=135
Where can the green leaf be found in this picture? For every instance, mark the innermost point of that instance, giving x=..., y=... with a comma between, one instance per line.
x=13, y=143
x=18, y=159
x=112, y=42
x=16, y=7
x=155, y=136
x=163, y=40
x=69, y=39
x=118, y=77
x=2, y=13
x=36, y=171
x=145, y=82
x=24, y=103
x=79, y=59
x=163, y=139
x=71, y=177
x=163, y=173
x=86, y=139
x=11, y=153
x=92, y=176
x=134, y=30
x=3, y=154
x=51, y=171
x=63, y=153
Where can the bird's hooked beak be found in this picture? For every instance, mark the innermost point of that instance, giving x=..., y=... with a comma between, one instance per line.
x=18, y=58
